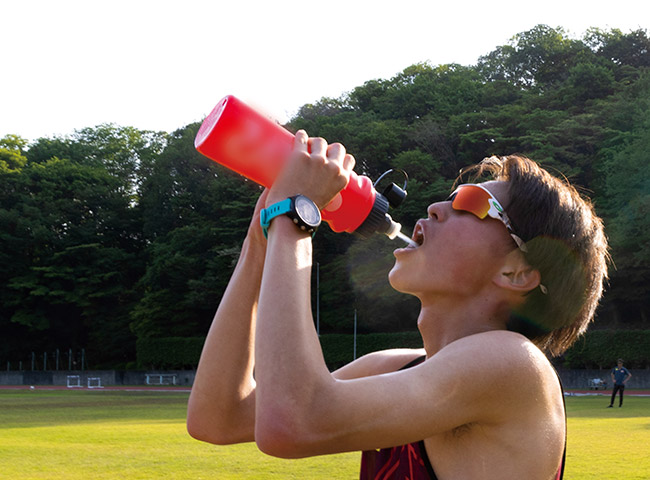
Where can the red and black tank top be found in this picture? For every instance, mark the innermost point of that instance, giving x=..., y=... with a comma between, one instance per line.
x=411, y=462
x=408, y=462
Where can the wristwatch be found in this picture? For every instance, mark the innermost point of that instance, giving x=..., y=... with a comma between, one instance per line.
x=300, y=209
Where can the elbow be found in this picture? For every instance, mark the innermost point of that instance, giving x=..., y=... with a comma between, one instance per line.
x=193, y=421
x=281, y=434
x=198, y=430
x=196, y=424
x=195, y=431
x=210, y=433
x=215, y=430
x=295, y=425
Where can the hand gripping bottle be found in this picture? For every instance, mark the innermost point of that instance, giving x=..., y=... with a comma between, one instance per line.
x=243, y=140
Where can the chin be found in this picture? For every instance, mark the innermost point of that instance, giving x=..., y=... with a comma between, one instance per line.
x=397, y=280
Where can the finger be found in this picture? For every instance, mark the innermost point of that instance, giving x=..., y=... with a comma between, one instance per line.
x=300, y=141
x=349, y=162
x=318, y=147
x=336, y=152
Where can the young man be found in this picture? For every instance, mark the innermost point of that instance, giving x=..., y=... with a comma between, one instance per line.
x=521, y=253
x=620, y=376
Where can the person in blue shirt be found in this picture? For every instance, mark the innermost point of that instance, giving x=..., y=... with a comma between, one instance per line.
x=620, y=376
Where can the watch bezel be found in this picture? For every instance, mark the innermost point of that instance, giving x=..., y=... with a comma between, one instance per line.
x=298, y=202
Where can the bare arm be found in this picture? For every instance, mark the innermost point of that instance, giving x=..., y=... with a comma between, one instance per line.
x=303, y=410
x=376, y=363
x=221, y=407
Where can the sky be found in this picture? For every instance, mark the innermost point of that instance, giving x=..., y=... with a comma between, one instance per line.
x=160, y=65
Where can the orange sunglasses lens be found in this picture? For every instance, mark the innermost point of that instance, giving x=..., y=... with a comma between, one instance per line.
x=470, y=198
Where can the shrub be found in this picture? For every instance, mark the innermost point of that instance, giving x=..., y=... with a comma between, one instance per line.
x=169, y=352
x=601, y=349
x=338, y=349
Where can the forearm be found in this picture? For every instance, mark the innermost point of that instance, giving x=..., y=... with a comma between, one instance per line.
x=221, y=408
x=290, y=367
x=292, y=377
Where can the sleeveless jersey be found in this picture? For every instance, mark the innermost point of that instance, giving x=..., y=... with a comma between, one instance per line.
x=408, y=462
x=411, y=462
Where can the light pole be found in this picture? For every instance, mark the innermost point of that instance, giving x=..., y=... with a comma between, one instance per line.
x=318, y=298
x=354, y=355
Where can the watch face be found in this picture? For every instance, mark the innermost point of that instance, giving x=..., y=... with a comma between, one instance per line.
x=307, y=211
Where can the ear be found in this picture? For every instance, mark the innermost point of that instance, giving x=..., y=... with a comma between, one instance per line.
x=516, y=275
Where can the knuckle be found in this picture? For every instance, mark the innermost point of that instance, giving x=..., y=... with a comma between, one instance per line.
x=333, y=169
x=338, y=148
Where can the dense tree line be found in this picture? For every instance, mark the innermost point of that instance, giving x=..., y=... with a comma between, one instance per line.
x=113, y=234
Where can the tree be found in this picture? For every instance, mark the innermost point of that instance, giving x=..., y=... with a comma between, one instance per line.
x=632, y=49
x=12, y=157
x=627, y=187
x=125, y=152
x=195, y=214
x=69, y=254
x=540, y=57
x=112, y=232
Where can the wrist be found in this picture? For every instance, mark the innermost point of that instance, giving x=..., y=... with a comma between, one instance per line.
x=283, y=226
x=253, y=254
x=302, y=212
x=286, y=243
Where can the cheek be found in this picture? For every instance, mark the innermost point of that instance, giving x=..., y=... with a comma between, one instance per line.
x=470, y=263
x=470, y=273
x=459, y=259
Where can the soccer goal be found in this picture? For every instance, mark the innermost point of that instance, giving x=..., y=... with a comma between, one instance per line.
x=73, y=381
x=95, y=382
x=160, y=378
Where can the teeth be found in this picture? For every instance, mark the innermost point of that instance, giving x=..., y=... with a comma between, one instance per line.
x=414, y=241
x=418, y=237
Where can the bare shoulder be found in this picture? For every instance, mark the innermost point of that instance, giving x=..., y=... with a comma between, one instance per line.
x=376, y=363
x=498, y=347
x=505, y=388
x=502, y=358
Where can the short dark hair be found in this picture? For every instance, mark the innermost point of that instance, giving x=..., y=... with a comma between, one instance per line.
x=565, y=242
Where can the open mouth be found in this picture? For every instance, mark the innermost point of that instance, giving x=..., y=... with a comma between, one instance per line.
x=418, y=236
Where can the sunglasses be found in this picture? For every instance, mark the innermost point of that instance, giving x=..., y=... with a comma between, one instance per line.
x=476, y=199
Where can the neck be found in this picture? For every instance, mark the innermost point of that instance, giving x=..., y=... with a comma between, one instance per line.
x=443, y=322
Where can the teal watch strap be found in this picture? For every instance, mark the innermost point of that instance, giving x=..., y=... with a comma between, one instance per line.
x=268, y=214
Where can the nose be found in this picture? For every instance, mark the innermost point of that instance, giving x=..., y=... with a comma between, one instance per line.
x=439, y=210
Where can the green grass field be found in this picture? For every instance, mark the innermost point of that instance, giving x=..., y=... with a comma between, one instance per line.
x=55, y=434
x=608, y=443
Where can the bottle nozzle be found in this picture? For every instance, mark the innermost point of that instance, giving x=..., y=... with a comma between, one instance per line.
x=380, y=221
x=393, y=229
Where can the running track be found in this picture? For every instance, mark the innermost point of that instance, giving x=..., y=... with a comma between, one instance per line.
x=145, y=388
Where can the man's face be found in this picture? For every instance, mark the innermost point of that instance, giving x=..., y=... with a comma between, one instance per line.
x=458, y=253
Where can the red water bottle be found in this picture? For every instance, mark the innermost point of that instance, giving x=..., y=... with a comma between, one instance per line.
x=245, y=141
